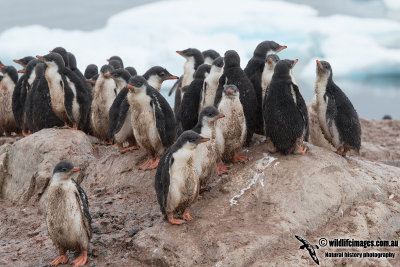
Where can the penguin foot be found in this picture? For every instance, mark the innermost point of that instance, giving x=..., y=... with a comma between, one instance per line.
x=341, y=151
x=74, y=126
x=237, y=158
x=60, y=259
x=172, y=220
x=123, y=150
x=186, y=215
x=154, y=164
x=146, y=164
x=81, y=260
x=25, y=134
x=8, y=134
x=222, y=168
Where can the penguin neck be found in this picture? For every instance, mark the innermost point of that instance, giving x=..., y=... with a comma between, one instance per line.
x=185, y=153
x=188, y=71
x=321, y=84
x=7, y=82
x=208, y=61
x=207, y=128
x=137, y=98
x=121, y=83
x=59, y=179
x=155, y=82
x=51, y=72
x=32, y=77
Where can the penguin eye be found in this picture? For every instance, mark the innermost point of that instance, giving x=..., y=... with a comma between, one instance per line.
x=162, y=74
x=64, y=169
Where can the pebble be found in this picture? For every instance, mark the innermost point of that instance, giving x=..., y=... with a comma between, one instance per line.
x=133, y=231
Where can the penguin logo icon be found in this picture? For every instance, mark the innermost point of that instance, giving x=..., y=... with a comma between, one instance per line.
x=310, y=248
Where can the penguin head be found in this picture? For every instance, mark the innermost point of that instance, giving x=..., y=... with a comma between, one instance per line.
x=117, y=58
x=159, y=74
x=266, y=48
x=120, y=75
x=72, y=61
x=115, y=64
x=231, y=59
x=209, y=115
x=9, y=71
x=90, y=71
x=209, y=56
x=230, y=90
x=64, y=170
x=106, y=71
x=192, y=54
x=190, y=139
x=23, y=61
x=132, y=71
x=218, y=62
x=64, y=54
x=53, y=60
x=324, y=69
x=137, y=84
x=284, y=68
x=202, y=71
x=40, y=69
x=30, y=67
x=271, y=61
x=93, y=79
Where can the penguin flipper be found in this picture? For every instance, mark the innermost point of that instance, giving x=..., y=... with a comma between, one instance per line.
x=164, y=117
x=68, y=98
x=82, y=199
x=17, y=106
x=117, y=113
x=331, y=111
x=301, y=105
x=162, y=179
x=176, y=85
x=220, y=89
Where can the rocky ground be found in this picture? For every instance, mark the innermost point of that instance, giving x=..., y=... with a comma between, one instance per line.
x=247, y=217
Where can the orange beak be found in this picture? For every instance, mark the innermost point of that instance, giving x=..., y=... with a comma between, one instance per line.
x=172, y=77
x=295, y=62
x=180, y=53
x=282, y=48
x=75, y=170
x=16, y=61
x=180, y=88
x=221, y=116
x=39, y=57
x=270, y=59
x=21, y=71
x=229, y=91
x=107, y=75
x=205, y=139
x=2, y=66
x=89, y=80
x=129, y=86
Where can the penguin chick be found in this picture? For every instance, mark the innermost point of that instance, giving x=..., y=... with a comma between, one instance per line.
x=209, y=56
x=23, y=61
x=233, y=127
x=7, y=86
x=189, y=110
x=337, y=117
x=67, y=215
x=267, y=73
x=209, y=153
x=104, y=94
x=254, y=70
x=233, y=74
x=152, y=120
x=176, y=180
x=118, y=59
x=211, y=83
x=285, y=112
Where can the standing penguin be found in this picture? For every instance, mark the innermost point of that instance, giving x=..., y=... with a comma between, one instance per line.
x=233, y=127
x=194, y=58
x=211, y=83
x=176, y=180
x=189, y=109
x=153, y=121
x=267, y=73
x=209, y=56
x=285, y=112
x=254, y=70
x=209, y=153
x=70, y=98
x=337, y=117
x=233, y=74
x=7, y=86
x=67, y=215
x=104, y=94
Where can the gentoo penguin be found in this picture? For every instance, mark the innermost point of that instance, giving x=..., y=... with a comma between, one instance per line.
x=233, y=74
x=189, y=109
x=115, y=64
x=233, y=127
x=132, y=71
x=211, y=83
x=23, y=61
x=40, y=114
x=7, y=86
x=74, y=67
x=209, y=56
x=254, y=70
x=153, y=121
x=63, y=53
x=194, y=58
x=70, y=98
x=67, y=215
x=285, y=112
x=176, y=180
x=267, y=73
x=90, y=71
x=104, y=94
x=120, y=119
x=337, y=117
x=209, y=153
x=116, y=58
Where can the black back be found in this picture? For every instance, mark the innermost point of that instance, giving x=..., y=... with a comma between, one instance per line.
x=90, y=71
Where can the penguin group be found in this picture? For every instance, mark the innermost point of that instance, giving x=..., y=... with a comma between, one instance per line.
x=218, y=108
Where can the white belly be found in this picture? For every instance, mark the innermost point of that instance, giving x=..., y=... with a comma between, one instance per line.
x=206, y=155
x=56, y=93
x=7, y=121
x=126, y=130
x=75, y=106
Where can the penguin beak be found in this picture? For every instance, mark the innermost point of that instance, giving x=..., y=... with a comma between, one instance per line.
x=40, y=58
x=17, y=61
x=295, y=62
x=282, y=48
x=172, y=77
x=204, y=140
x=2, y=66
x=229, y=92
x=89, y=80
x=75, y=170
x=21, y=71
x=179, y=52
x=270, y=60
x=319, y=64
x=220, y=116
x=107, y=75
x=179, y=88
